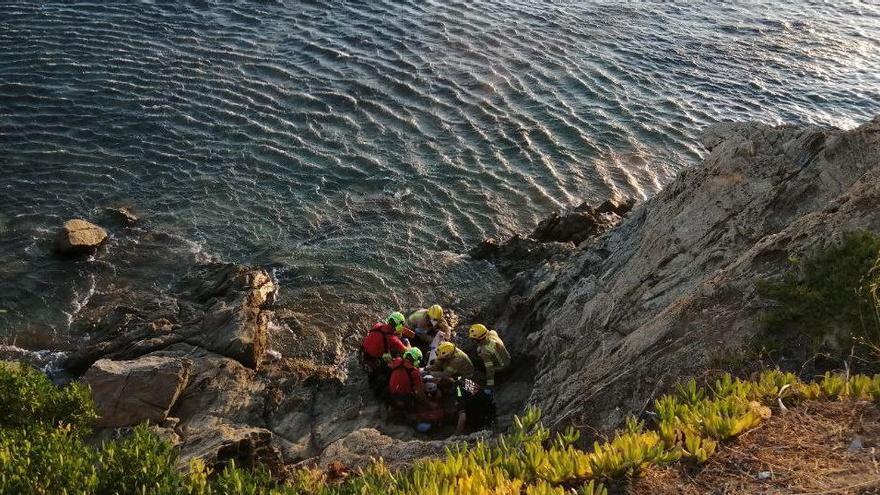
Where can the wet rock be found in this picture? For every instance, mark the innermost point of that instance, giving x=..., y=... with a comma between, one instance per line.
x=554, y=237
x=236, y=321
x=584, y=222
x=127, y=393
x=617, y=206
x=518, y=253
x=79, y=237
x=124, y=216
x=218, y=307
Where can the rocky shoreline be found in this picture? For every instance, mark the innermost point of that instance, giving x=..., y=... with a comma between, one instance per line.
x=606, y=306
x=672, y=287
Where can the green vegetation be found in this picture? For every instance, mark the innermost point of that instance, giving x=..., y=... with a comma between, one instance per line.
x=28, y=400
x=43, y=449
x=833, y=296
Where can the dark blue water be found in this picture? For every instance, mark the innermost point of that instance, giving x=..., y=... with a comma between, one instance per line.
x=359, y=147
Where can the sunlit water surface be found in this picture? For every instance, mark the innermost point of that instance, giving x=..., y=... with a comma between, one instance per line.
x=359, y=148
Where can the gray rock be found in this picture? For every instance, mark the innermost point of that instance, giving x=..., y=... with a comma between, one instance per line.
x=127, y=393
x=218, y=307
x=856, y=445
x=672, y=286
x=359, y=448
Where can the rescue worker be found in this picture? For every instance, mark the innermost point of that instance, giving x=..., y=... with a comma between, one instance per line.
x=451, y=363
x=491, y=350
x=405, y=383
x=380, y=346
x=429, y=320
x=475, y=409
x=430, y=329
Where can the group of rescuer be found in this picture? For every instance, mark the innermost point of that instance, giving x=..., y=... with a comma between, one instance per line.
x=413, y=364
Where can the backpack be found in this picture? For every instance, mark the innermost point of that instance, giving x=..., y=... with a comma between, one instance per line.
x=369, y=363
x=408, y=373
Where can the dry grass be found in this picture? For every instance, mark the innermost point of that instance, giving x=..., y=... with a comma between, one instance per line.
x=804, y=451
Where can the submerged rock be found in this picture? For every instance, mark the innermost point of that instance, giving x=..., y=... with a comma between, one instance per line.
x=127, y=393
x=79, y=237
x=124, y=216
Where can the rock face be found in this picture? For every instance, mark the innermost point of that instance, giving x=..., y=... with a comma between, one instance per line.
x=79, y=237
x=129, y=392
x=672, y=286
x=216, y=307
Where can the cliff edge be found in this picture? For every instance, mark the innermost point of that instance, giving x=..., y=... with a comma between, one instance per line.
x=673, y=285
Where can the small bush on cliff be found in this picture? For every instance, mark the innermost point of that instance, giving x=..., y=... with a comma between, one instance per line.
x=28, y=399
x=43, y=449
x=46, y=461
x=140, y=461
x=833, y=294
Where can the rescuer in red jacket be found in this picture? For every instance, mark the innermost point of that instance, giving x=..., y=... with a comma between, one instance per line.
x=405, y=383
x=380, y=346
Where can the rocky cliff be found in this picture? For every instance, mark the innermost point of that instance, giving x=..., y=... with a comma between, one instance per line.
x=185, y=343
x=599, y=317
x=619, y=318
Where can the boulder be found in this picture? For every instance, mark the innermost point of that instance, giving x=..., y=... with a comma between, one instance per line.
x=247, y=447
x=130, y=392
x=218, y=307
x=360, y=448
x=235, y=323
x=79, y=237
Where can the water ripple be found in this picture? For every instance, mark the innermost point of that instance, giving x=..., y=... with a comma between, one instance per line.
x=356, y=144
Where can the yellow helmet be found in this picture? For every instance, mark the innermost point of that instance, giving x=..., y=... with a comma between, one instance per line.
x=435, y=312
x=478, y=331
x=445, y=349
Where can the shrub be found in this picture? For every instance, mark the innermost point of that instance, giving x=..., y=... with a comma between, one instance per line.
x=832, y=293
x=139, y=463
x=46, y=461
x=28, y=399
x=51, y=457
